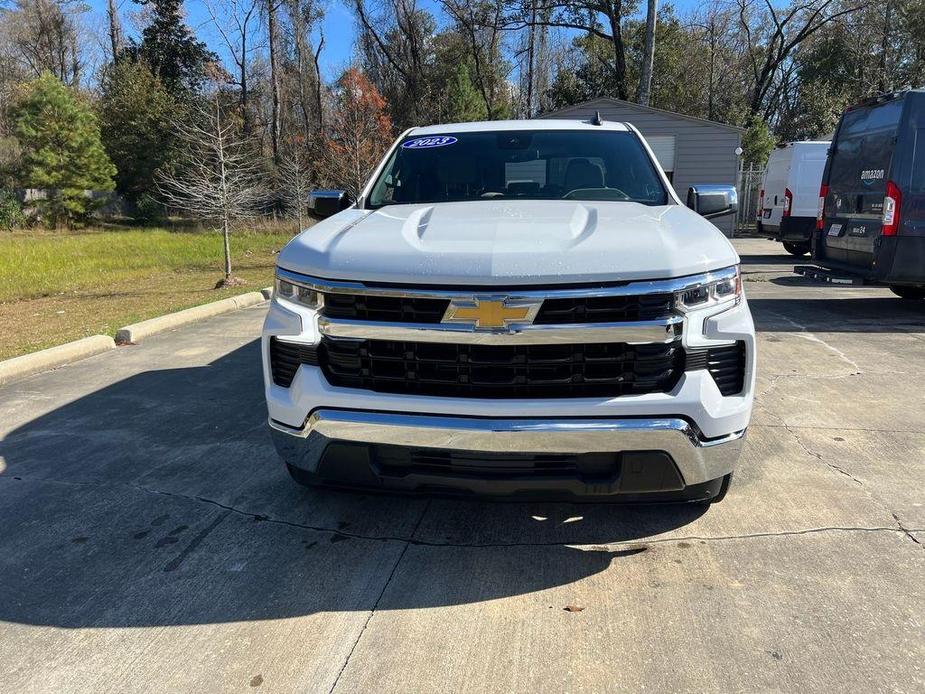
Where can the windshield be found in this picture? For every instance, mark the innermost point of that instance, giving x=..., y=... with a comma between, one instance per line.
x=534, y=165
x=862, y=154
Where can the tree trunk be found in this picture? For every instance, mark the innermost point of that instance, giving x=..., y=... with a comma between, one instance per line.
x=226, y=242
x=274, y=79
x=885, y=83
x=619, y=53
x=319, y=85
x=245, y=116
x=530, y=47
x=115, y=29
x=648, y=54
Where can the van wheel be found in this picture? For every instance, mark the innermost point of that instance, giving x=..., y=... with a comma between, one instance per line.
x=908, y=292
x=796, y=249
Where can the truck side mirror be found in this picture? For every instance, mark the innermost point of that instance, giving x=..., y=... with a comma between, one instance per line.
x=712, y=200
x=324, y=203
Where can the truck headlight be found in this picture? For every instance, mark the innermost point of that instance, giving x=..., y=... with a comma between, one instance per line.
x=724, y=286
x=290, y=291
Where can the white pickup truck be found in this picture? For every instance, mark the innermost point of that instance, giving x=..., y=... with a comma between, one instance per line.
x=514, y=307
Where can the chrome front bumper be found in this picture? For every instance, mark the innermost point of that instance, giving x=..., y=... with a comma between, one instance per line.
x=698, y=460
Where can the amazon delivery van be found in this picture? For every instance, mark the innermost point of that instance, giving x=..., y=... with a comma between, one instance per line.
x=789, y=196
x=872, y=200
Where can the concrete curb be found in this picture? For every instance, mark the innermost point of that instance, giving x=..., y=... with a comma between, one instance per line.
x=28, y=364
x=131, y=334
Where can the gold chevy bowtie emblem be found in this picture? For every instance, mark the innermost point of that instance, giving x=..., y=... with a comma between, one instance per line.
x=486, y=313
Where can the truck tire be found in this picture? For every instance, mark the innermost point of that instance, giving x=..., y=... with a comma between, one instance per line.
x=796, y=249
x=910, y=293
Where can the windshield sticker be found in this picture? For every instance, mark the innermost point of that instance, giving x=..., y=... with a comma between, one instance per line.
x=428, y=142
x=868, y=176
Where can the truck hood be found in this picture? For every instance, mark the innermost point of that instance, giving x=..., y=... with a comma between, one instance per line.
x=509, y=242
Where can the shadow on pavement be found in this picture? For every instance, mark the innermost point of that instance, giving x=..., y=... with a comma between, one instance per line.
x=159, y=500
x=783, y=259
x=861, y=315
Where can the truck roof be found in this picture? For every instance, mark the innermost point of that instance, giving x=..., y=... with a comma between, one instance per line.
x=500, y=125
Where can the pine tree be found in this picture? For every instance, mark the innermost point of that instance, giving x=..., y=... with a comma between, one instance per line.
x=170, y=49
x=135, y=113
x=463, y=100
x=61, y=149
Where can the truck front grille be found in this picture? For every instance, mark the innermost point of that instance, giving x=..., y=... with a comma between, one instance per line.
x=394, y=309
x=595, y=309
x=492, y=371
x=605, y=309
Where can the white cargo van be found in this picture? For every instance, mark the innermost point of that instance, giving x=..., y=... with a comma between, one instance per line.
x=789, y=196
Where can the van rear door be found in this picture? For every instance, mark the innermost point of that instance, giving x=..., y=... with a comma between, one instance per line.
x=774, y=185
x=857, y=172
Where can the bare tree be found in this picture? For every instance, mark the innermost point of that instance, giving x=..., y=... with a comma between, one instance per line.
x=218, y=180
x=43, y=35
x=236, y=23
x=394, y=38
x=770, y=43
x=273, y=39
x=482, y=24
x=295, y=171
x=304, y=15
x=648, y=53
x=600, y=18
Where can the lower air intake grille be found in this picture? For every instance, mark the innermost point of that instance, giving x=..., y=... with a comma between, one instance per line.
x=501, y=371
x=285, y=358
x=726, y=364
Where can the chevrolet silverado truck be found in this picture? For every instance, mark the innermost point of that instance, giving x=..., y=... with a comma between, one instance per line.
x=513, y=308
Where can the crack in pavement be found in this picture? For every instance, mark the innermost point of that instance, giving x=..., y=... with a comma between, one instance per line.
x=819, y=456
x=805, y=333
x=806, y=449
x=385, y=586
x=830, y=428
x=906, y=530
x=409, y=540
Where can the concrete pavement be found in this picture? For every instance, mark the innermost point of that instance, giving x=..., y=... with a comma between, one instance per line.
x=153, y=542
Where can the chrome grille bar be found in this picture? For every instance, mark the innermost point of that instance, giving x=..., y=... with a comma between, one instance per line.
x=512, y=293
x=638, y=332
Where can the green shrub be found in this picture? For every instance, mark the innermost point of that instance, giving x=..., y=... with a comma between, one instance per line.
x=11, y=214
x=148, y=209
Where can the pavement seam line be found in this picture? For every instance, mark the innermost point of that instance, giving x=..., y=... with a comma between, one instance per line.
x=385, y=587
x=489, y=545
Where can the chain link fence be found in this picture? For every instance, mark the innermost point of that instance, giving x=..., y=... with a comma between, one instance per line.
x=748, y=186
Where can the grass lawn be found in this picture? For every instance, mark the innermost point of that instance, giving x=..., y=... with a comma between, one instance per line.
x=60, y=286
